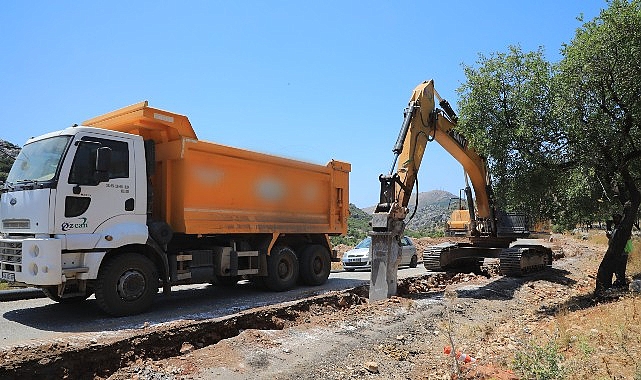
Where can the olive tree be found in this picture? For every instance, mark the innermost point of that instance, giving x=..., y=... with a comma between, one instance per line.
x=599, y=80
x=506, y=112
x=563, y=140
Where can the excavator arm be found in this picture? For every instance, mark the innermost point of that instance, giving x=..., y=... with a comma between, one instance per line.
x=422, y=123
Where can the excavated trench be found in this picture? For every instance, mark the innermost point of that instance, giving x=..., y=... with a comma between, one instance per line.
x=91, y=361
x=98, y=360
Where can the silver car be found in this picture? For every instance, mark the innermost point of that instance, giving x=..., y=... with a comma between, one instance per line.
x=360, y=258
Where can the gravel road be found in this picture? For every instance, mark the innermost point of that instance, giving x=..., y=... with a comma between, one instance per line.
x=39, y=320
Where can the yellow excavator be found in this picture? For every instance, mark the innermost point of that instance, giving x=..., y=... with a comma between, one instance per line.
x=491, y=232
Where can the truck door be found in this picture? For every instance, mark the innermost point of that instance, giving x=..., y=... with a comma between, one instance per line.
x=82, y=202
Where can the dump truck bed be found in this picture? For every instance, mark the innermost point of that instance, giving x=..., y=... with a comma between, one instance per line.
x=201, y=187
x=206, y=188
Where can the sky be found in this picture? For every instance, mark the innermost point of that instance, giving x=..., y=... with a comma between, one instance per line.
x=309, y=80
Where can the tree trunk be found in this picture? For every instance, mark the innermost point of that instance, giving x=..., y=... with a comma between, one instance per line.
x=630, y=212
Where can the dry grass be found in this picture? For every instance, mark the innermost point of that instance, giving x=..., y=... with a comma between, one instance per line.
x=598, y=237
x=634, y=260
x=600, y=342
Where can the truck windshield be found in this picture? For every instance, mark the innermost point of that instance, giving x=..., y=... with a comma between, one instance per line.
x=38, y=161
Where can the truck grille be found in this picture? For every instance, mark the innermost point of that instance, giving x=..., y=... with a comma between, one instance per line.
x=16, y=224
x=11, y=255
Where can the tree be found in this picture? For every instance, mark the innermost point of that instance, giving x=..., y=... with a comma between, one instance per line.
x=8, y=153
x=563, y=140
x=506, y=113
x=600, y=91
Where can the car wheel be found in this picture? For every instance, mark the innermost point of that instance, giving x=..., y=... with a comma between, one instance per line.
x=414, y=262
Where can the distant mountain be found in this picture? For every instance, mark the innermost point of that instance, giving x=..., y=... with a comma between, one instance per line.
x=432, y=210
x=8, y=153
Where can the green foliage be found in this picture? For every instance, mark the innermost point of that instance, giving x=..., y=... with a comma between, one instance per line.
x=600, y=94
x=563, y=140
x=560, y=228
x=425, y=232
x=358, y=226
x=505, y=113
x=8, y=152
x=540, y=362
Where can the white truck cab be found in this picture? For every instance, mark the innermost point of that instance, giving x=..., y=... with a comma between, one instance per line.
x=65, y=203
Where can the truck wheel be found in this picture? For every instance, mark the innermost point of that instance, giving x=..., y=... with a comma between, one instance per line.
x=282, y=269
x=127, y=284
x=52, y=293
x=315, y=265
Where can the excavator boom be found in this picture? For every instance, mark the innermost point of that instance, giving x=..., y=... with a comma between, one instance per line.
x=423, y=122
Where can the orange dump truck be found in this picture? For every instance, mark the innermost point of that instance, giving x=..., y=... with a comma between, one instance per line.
x=132, y=201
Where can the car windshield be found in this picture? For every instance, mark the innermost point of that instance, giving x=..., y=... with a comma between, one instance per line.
x=364, y=244
x=39, y=160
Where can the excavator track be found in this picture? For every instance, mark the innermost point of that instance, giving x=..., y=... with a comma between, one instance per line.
x=457, y=257
x=520, y=260
x=514, y=261
x=432, y=256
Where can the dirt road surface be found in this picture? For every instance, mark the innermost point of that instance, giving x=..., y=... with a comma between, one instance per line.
x=340, y=335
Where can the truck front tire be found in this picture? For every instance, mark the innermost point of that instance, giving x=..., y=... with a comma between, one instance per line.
x=282, y=269
x=315, y=265
x=127, y=284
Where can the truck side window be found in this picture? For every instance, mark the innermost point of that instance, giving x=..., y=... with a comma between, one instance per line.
x=85, y=154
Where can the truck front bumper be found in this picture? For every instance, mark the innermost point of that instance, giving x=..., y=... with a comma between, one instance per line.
x=31, y=261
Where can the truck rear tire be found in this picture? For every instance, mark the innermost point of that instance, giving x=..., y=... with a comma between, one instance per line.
x=282, y=269
x=315, y=265
x=127, y=284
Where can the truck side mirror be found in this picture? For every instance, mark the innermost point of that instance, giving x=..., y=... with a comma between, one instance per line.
x=103, y=162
